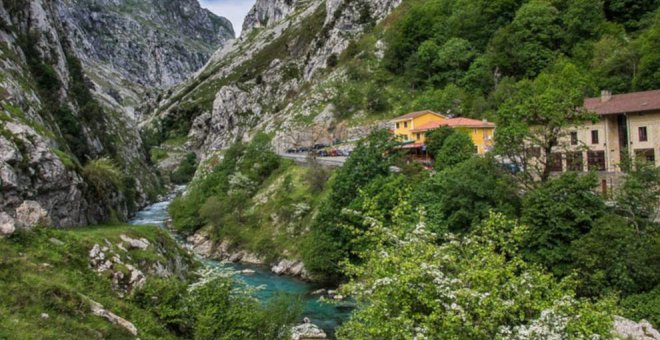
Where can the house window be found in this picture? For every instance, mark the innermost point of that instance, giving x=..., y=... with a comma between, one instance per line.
x=397, y=125
x=534, y=152
x=554, y=162
x=418, y=136
x=574, y=161
x=643, y=136
x=405, y=124
x=645, y=155
x=574, y=138
x=596, y=160
x=594, y=136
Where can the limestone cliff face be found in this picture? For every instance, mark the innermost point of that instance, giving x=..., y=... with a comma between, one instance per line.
x=131, y=47
x=65, y=67
x=156, y=43
x=273, y=74
x=267, y=13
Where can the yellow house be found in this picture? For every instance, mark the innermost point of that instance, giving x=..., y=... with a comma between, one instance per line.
x=413, y=127
x=404, y=124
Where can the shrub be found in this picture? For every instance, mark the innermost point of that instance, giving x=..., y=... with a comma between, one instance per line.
x=476, y=287
x=316, y=175
x=186, y=169
x=458, y=198
x=103, y=175
x=558, y=213
x=157, y=154
x=457, y=148
x=616, y=257
x=643, y=306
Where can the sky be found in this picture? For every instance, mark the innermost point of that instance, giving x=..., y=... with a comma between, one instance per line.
x=234, y=10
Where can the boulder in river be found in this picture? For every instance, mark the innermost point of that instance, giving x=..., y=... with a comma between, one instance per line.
x=307, y=331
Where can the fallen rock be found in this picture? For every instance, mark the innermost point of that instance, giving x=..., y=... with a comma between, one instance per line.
x=55, y=241
x=45, y=316
x=247, y=271
x=31, y=214
x=290, y=267
x=135, y=243
x=321, y=291
x=98, y=310
x=307, y=331
x=628, y=329
x=7, y=224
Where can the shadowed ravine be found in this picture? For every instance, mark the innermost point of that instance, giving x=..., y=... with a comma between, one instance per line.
x=326, y=316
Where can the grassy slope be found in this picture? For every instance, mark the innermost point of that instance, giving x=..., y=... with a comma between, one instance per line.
x=278, y=229
x=38, y=276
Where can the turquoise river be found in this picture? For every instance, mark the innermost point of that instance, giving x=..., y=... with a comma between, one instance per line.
x=327, y=316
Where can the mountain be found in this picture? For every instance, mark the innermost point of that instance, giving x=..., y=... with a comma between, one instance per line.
x=130, y=47
x=263, y=80
x=71, y=74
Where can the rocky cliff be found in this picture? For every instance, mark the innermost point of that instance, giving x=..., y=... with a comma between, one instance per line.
x=272, y=77
x=67, y=156
x=130, y=47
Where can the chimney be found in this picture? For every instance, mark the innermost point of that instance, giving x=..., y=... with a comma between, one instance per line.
x=605, y=96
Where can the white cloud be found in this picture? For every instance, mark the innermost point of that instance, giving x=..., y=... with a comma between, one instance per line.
x=234, y=10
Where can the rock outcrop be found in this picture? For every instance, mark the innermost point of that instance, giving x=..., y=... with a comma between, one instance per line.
x=628, y=329
x=201, y=244
x=98, y=310
x=267, y=13
x=114, y=260
x=307, y=331
x=291, y=268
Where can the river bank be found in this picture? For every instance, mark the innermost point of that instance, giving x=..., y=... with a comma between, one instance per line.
x=328, y=316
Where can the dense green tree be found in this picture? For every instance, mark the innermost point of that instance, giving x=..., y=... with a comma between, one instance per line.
x=186, y=169
x=448, y=100
x=560, y=212
x=639, y=196
x=329, y=242
x=648, y=77
x=629, y=12
x=538, y=115
x=475, y=287
x=476, y=20
x=614, y=63
x=582, y=20
x=435, y=139
x=644, y=306
x=458, y=198
x=456, y=148
x=529, y=43
x=616, y=256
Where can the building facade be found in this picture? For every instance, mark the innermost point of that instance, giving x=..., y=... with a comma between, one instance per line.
x=628, y=127
x=413, y=127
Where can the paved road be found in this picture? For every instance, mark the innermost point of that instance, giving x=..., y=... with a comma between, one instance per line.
x=302, y=158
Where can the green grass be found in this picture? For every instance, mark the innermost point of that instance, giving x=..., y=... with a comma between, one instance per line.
x=274, y=229
x=38, y=276
x=69, y=161
x=157, y=154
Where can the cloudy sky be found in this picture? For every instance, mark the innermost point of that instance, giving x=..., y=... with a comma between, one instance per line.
x=234, y=10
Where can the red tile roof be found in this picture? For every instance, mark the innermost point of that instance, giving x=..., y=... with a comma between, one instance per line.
x=417, y=114
x=455, y=122
x=625, y=103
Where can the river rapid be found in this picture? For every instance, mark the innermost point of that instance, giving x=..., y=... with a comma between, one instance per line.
x=326, y=316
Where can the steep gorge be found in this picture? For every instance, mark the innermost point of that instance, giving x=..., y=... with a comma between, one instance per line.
x=72, y=75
